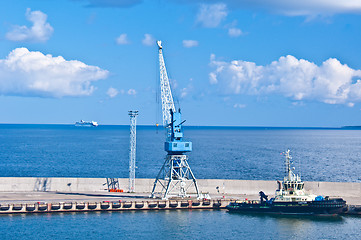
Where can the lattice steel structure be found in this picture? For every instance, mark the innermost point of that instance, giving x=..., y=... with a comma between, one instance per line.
x=132, y=148
x=175, y=178
x=112, y=183
x=165, y=90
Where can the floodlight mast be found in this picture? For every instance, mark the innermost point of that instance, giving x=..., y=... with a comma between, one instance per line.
x=175, y=177
x=132, y=149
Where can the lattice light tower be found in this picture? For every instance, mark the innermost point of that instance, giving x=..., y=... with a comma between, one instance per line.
x=175, y=177
x=132, y=148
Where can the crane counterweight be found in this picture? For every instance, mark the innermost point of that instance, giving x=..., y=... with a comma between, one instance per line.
x=175, y=143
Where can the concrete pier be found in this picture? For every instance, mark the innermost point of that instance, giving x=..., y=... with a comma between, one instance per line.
x=111, y=205
x=30, y=195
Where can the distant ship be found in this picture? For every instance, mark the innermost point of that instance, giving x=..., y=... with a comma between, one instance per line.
x=290, y=198
x=83, y=123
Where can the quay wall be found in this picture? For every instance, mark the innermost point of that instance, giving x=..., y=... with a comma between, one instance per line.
x=142, y=185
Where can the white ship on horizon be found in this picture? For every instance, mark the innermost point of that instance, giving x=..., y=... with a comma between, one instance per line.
x=83, y=123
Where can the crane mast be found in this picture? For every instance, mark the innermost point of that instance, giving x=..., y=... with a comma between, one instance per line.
x=175, y=177
x=166, y=93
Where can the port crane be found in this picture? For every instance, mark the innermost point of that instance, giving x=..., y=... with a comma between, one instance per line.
x=175, y=178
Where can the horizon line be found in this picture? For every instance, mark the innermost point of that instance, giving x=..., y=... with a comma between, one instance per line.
x=221, y=126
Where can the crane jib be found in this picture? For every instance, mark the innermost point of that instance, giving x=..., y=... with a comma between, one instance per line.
x=171, y=119
x=166, y=93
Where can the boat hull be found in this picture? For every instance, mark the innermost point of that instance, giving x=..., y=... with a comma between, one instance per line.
x=334, y=206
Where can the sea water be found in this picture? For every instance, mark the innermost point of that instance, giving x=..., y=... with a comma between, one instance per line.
x=176, y=224
x=218, y=152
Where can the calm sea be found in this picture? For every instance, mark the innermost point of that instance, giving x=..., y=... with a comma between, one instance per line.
x=218, y=152
x=195, y=224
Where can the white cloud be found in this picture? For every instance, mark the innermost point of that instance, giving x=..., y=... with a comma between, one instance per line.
x=40, y=31
x=297, y=79
x=213, y=78
x=184, y=92
x=293, y=7
x=190, y=43
x=234, y=32
x=27, y=73
x=112, y=92
x=148, y=40
x=211, y=15
x=239, y=105
x=122, y=39
x=312, y=7
x=111, y=3
x=132, y=92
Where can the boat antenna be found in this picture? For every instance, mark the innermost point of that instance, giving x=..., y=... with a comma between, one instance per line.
x=290, y=174
x=300, y=167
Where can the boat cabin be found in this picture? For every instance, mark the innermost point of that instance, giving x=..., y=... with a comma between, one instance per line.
x=292, y=187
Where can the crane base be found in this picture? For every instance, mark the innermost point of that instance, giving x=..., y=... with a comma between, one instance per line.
x=175, y=179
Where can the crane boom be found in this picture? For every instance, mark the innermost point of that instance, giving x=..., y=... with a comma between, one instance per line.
x=166, y=93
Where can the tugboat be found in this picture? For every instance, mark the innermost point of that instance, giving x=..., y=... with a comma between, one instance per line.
x=290, y=198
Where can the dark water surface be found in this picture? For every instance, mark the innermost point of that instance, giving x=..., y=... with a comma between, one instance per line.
x=195, y=224
x=218, y=152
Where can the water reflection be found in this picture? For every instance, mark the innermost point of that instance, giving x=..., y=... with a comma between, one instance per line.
x=294, y=217
x=176, y=224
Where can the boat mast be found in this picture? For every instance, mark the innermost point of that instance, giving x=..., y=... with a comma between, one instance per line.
x=290, y=174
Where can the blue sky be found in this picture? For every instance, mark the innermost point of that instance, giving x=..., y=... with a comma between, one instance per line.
x=231, y=63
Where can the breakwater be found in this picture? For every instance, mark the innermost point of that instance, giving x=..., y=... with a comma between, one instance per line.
x=145, y=185
x=44, y=207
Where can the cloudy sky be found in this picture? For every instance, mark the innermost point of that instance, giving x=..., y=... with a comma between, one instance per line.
x=231, y=63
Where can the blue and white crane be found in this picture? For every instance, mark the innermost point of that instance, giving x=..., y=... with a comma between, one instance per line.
x=175, y=178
